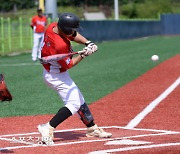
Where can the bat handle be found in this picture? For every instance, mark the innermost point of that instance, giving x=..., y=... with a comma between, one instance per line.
x=80, y=52
x=41, y=61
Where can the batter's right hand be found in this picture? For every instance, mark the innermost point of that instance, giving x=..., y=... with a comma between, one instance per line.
x=93, y=47
x=89, y=49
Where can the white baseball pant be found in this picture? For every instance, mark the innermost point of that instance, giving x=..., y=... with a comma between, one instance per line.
x=66, y=88
x=38, y=39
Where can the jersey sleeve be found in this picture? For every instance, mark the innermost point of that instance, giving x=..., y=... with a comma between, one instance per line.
x=66, y=63
x=33, y=21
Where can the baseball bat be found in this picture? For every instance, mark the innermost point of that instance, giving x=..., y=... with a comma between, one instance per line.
x=57, y=57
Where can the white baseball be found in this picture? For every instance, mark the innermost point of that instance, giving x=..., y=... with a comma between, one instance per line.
x=155, y=58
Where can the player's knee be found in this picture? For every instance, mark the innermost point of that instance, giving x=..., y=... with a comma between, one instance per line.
x=73, y=108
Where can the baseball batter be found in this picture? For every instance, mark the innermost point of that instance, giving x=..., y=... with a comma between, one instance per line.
x=38, y=24
x=56, y=41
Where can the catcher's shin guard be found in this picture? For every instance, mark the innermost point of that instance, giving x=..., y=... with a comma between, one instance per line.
x=85, y=114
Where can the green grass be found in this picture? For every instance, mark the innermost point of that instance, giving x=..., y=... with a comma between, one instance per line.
x=115, y=64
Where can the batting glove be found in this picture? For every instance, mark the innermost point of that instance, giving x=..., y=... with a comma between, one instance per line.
x=89, y=49
x=91, y=46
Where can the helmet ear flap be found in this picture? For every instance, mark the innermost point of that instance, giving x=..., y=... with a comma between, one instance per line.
x=65, y=30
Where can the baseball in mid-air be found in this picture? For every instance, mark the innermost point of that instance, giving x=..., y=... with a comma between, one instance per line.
x=155, y=58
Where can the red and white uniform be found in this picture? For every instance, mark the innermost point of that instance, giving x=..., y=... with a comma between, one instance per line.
x=54, y=44
x=38, y=23
x=55, y=73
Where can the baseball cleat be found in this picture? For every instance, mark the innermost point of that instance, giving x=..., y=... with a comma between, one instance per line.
x=47, y=133
x=34, y=59
x=95, y=131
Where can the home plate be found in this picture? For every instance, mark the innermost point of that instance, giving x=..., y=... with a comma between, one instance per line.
x=126, y=142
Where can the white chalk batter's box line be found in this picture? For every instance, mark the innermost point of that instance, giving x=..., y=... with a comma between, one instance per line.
x=32, y=144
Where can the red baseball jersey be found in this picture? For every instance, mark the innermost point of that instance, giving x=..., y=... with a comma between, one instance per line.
x=38, y=23
x=54, y=44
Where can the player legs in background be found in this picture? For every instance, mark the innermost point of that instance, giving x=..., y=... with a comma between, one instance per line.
x=41, y=41
x=38, y=38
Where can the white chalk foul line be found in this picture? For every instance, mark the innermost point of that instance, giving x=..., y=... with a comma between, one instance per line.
x=31, y=144
x=135, y=148
x=20, y=64
x=76, y=142
x=16, y=141
x=82, y=129
x=134, y=122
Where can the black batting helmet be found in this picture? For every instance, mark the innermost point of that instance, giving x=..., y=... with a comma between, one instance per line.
x=68, y=23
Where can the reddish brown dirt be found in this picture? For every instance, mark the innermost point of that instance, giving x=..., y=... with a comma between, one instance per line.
x=115, y=109
x=125, y=103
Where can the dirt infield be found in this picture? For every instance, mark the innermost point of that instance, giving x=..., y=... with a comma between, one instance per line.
x=143, y=117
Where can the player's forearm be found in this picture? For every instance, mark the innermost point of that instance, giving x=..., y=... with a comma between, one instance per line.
x=76, y=60
x=80, y=39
